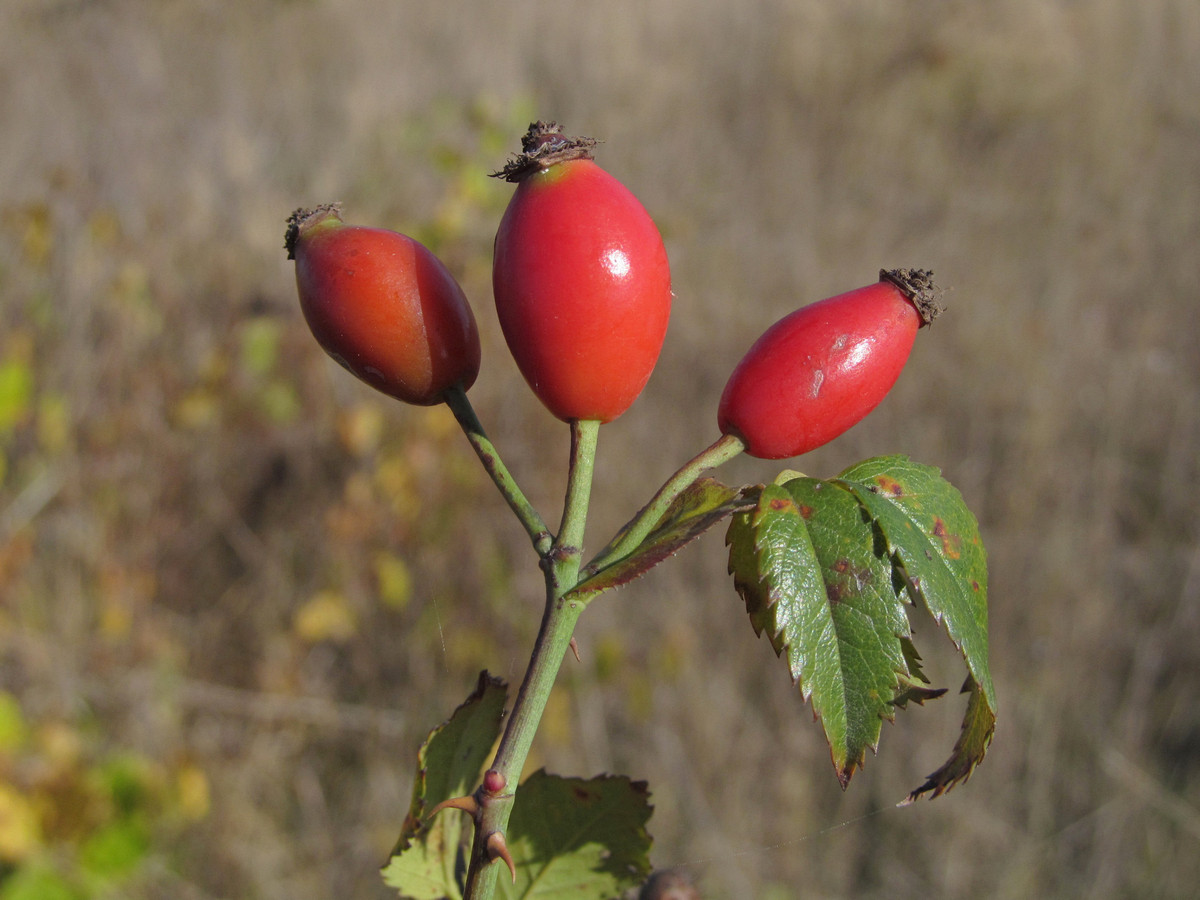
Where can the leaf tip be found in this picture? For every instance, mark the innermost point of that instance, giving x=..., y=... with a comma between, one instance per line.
x=845, y=773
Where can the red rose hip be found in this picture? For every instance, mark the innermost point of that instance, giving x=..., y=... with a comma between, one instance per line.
x=581, y=279
x=383, y=306
x=820, y=370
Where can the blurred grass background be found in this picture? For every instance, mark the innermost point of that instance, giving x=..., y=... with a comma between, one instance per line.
x=237, y=588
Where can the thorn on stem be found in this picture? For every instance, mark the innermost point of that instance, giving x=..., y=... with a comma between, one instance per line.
x=497, y=848
x=469, y=805
x=574, y=645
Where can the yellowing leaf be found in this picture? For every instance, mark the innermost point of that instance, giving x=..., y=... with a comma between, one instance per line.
x=61, y=745
x=396, y=482
x=116, y=619
x=104, y=228
x=122, y=592
x=20, y=830
x=440, y=422
x=326, y=617
x=259, y=345
x=16, y=388
x=193, y=792
x=13, y=730
x=131, y=292
x=464, y=643
x=197, y=409
x=280, y=402
x=53, y=423
x=360, y=428
x=37, y=240
x=395, y=580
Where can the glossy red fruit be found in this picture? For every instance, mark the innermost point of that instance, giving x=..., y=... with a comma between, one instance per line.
x=582, y=283
x=383, y=306
x=820, y=370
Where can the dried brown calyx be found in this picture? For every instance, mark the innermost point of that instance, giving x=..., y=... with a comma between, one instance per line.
x=918, y=286
x=543, y=146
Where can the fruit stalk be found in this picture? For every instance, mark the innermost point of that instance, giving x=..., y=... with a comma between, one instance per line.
x=456, y=399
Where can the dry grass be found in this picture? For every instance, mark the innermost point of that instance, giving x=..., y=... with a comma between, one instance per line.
x=185, y=473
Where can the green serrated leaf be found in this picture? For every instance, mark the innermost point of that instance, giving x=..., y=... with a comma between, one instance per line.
x=693, y=512
x=748, y=579
x=915, y=687
x=969, y=749
x=935, y=541
x=775, y=570
x=806, y=563
x=578, y=839
x=933, y=534
x=429, y=860
x=913, y=659
x=915, y=692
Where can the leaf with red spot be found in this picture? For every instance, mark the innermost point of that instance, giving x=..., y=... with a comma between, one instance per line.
x=824, y=568
x=805, y=561
x=934, y=539
x=693, y=512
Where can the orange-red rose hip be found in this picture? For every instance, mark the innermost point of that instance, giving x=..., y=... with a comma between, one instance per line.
x=582, y=283
x=820, y=370
x=383, y=306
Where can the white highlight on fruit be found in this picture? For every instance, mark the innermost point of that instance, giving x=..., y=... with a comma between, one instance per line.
x=858, y=353
x=818, y=380
x=616, y=262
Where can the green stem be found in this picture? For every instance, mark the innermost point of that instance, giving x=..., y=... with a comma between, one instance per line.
x=568, y=548
x=554, y=638
x=632, y=534
x=456, y=399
